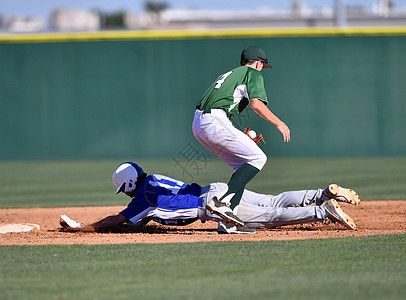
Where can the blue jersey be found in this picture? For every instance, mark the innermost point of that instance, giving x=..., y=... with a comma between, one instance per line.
x=164, y=198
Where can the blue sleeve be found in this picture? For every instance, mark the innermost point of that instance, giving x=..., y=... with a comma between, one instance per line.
x=136, y=210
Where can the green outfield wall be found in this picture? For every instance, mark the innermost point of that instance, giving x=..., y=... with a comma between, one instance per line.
x=133, y=94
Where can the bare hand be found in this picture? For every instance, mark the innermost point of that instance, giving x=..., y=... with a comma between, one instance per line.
x=284, y=129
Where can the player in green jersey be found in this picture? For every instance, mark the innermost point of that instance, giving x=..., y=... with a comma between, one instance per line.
x=228, y=96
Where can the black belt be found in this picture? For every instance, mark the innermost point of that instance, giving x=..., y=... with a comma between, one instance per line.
x=208, y=111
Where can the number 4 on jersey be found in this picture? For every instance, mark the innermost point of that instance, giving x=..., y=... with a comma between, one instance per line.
x=222, y=79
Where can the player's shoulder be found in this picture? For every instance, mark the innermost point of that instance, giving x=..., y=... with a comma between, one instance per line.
x=247, y=72
x=153, y=178
x=150, y=180
x=240, y=69
x=254, y=76
x=160, y=177
x=253, y=72
x=240, y=73
x=164, y=181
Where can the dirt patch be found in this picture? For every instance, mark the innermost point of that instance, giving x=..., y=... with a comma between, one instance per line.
x=371, y=217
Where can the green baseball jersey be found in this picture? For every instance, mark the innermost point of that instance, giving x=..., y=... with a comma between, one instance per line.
x=233, y=91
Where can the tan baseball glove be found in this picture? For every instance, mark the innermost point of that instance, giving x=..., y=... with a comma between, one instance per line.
x=257, y=138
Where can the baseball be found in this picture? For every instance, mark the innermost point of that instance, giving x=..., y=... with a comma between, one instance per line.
x=252, y=134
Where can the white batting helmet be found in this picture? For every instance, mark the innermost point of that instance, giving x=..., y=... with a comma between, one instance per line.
x=127, y=177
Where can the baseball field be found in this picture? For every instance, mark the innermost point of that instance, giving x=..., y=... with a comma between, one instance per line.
x=131, y=95
x=194, y=262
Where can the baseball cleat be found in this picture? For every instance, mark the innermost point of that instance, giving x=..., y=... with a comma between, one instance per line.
x=223, y=211
x=341, y=194
x=68, y=223
x=228, y=228
x=336, y=214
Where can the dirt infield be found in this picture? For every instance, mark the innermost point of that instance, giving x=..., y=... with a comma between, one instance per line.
x=371, y=217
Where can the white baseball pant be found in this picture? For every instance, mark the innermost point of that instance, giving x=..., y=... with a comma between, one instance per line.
x=260, y=210
x=216, y=132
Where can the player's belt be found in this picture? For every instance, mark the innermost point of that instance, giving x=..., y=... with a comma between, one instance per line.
x=217, y=112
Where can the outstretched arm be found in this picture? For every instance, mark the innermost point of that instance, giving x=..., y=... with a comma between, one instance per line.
x=260, y=108
x=104, y=224
x=108, y=222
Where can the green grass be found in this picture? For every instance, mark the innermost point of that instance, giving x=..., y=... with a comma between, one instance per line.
x=349, y=268
x=88, y=183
